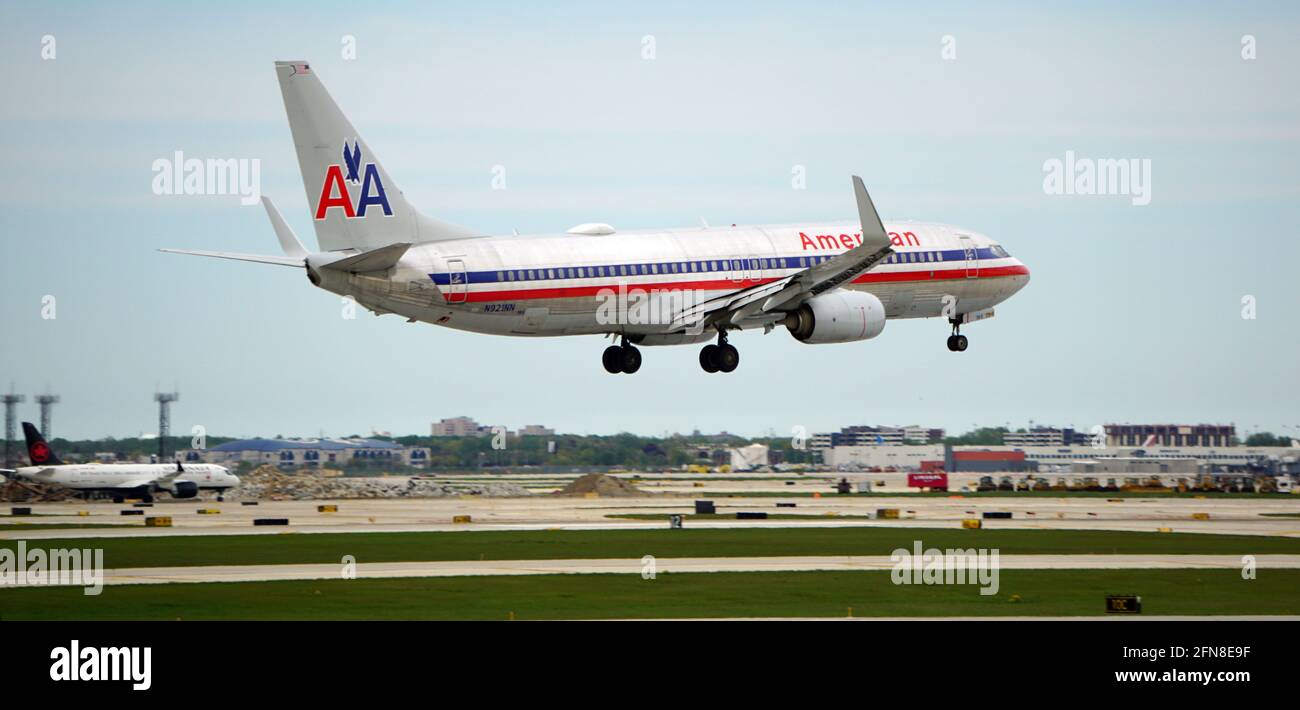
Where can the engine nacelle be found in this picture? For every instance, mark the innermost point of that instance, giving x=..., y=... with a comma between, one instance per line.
x=837, y=317
x=182, y=489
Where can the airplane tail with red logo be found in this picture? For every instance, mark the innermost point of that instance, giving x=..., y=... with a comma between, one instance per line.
x=354, y=202
x=37, y=450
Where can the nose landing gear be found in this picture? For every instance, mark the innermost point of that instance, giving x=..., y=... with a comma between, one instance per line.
x=956, y=342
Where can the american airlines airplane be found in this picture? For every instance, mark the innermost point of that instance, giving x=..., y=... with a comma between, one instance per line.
x=121, y=480
x=825, y=282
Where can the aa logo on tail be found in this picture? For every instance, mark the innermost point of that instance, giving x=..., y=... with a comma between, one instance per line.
x=334, y=192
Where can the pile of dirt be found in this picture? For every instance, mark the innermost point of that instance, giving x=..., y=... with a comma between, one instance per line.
x=270, y=483
x=601, y=485
x=14, y=490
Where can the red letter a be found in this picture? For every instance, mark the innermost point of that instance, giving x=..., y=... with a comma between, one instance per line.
x=327, y=199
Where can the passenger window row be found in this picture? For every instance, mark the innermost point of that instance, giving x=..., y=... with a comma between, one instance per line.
x=747, y=267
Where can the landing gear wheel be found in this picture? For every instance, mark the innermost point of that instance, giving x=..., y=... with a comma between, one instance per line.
x=612, y=359
x=630, y=360
x=956, y=342
x=728, y=357
x=709, y=358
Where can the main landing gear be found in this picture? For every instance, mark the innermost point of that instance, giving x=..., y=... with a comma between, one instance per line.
x=722, y=357
x=956, y=342
x=621, y=358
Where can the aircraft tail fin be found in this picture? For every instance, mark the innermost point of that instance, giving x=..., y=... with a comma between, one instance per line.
x=37, y=449
x=355, y=203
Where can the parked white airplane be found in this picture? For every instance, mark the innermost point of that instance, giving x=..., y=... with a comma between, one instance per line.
x=826, y=283
x=122, y=480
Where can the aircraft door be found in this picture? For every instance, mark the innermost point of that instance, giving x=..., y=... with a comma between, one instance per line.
x=971, y=257
x=457, y=281
x=736, y=269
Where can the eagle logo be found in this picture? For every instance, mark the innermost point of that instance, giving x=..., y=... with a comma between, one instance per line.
x=352, y=160
x=40, y=453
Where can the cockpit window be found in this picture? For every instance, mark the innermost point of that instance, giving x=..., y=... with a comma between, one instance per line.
x=999, y=252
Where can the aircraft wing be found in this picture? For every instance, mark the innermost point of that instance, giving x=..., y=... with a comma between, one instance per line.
x=135, y=482
x=167, y=478
x=147, y=480
x=772, y=300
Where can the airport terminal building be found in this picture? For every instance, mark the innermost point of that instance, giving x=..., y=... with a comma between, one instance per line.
x=310, y=453
x=1066, y=459
x=876, y=436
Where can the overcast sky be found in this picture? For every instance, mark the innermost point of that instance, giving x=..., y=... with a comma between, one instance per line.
x=1134, y=313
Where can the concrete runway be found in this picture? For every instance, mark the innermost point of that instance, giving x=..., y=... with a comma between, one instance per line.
x=474, y=568
x=1231, y=516
x=1116, y=618
x=678, y=482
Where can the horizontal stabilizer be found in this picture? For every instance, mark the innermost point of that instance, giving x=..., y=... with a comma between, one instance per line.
x=380, y=259
x=259, y=258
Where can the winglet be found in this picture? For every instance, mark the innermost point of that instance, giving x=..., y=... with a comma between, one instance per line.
x=873, y=230
x=288, y=240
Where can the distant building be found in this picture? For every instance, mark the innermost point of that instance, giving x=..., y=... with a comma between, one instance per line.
x=1066, y=459
x=1046, y=436
x=923, y=435
x=1177, y=435
x=899, y=458
x=711, y=455
x=876, y=436
x=458, y=426
x=987, y=461
x=310, y=453
x=535, y=430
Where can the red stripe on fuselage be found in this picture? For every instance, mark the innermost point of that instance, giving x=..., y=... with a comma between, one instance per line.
x=728, y=285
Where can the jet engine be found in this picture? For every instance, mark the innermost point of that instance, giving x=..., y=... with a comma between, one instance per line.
x=182, y=489
x=837, y=317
